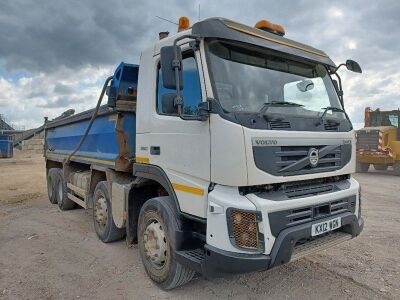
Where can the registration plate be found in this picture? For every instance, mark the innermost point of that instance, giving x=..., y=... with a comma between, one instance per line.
x=325, y=226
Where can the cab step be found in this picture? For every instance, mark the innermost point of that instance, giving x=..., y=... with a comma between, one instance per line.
x=193, y=258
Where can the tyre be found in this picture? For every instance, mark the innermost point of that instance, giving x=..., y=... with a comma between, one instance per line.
x=51, y=185
x=380, y=167
x=362, y=167
x=396, y=168
x=158, y=222
x=64, y=203
x=103, y=221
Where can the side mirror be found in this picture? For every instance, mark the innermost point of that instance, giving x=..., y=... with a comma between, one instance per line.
x=168, y=65
x=112, y=96
x=352, y=65
x=168, y=105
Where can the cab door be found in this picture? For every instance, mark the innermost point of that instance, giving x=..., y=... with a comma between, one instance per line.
x=182, y=148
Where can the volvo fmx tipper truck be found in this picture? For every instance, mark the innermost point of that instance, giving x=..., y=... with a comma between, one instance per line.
x=378, y=143
x=228, y=150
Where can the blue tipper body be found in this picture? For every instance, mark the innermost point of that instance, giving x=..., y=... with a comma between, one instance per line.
x=111, y=140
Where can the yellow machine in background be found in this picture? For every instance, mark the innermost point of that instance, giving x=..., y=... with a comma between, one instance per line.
x=378, y=143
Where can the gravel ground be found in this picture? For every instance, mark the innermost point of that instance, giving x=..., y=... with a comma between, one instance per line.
x=49, y=254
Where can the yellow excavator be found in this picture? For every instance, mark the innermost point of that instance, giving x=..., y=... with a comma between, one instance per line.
x=378, y=143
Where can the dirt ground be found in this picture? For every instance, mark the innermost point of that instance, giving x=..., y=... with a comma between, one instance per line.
x=49, y=254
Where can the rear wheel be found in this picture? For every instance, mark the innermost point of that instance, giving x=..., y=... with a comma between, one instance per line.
x=380, y=167
x=396, y=168
x=158, y=222
x=362, y=167
x=51, y=185
x=103, y=221
x=64, y=203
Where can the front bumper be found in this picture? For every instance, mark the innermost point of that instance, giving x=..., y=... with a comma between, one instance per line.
x=213, y=262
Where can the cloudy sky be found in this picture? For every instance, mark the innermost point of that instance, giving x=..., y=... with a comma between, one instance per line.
x=55, y=55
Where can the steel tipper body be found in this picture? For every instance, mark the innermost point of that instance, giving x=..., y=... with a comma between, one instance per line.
x=243, y=155
x=110, y=143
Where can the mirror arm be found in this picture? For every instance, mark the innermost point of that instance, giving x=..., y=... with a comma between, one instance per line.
x=176, y=65
x=340, y=88
x=337, y=68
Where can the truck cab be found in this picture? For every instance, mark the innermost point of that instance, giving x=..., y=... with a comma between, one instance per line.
x=243, y=154
x=264, y=159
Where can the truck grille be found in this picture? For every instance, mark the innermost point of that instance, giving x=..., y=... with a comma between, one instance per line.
x=368, y=139
x=294, y=160
x=283, y=219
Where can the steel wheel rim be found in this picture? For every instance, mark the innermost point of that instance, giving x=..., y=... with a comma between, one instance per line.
x=155, y=244
x=101, y=211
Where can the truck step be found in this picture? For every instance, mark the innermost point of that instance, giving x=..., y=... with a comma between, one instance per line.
x=319, y=244
x=192, y=258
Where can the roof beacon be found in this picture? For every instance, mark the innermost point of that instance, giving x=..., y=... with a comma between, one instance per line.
x=183, y=24
x=270, y=27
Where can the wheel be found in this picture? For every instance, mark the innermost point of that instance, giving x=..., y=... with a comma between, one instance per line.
x=51, y=185
x=103, y=221
x=380, y=167
x=362, y=167
x=396, y=168
x=158, y=222
x=64, y=203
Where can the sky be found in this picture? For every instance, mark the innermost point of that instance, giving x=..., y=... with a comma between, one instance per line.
x=55, y=55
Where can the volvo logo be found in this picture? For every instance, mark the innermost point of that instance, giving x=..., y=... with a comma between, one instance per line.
x=313, y=157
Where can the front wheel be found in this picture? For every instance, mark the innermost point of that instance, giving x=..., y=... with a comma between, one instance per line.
x=158, y=222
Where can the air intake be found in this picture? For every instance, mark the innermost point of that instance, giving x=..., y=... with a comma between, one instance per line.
x=279, y=125
x=331, y=126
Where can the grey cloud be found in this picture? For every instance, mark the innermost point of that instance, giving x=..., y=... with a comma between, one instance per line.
x=61, y=102
x=63, y=89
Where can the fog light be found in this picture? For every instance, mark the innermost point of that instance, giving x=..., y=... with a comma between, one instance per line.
x=244, y=229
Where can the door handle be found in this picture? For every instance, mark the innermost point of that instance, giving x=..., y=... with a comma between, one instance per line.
x=155, y=150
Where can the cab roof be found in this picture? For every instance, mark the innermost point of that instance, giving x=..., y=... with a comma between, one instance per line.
x=227, y=29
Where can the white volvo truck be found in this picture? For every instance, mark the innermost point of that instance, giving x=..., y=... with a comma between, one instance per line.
x=243, y=154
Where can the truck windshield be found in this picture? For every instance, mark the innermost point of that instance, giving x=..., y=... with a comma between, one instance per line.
x=245, y=79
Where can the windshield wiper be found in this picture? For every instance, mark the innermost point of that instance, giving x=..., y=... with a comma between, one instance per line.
x=333, y=109
x=267, y=105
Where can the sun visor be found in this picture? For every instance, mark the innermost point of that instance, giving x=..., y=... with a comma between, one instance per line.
x=227, y=29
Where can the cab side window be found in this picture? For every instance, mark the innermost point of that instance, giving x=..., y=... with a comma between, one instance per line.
x=191, y=87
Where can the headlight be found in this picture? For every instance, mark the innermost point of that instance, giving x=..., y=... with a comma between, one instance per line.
x=243, y=228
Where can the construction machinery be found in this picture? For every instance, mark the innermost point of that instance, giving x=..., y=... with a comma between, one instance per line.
x=378, y=143
x=227, y=150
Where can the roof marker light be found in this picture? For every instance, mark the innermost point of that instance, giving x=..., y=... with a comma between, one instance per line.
x=270, y=27
x=183, y=24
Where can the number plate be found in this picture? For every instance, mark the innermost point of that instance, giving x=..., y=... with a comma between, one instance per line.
x=326, y=226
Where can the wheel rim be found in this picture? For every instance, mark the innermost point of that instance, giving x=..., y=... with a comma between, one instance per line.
x=155, y=244
x=101, y=211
